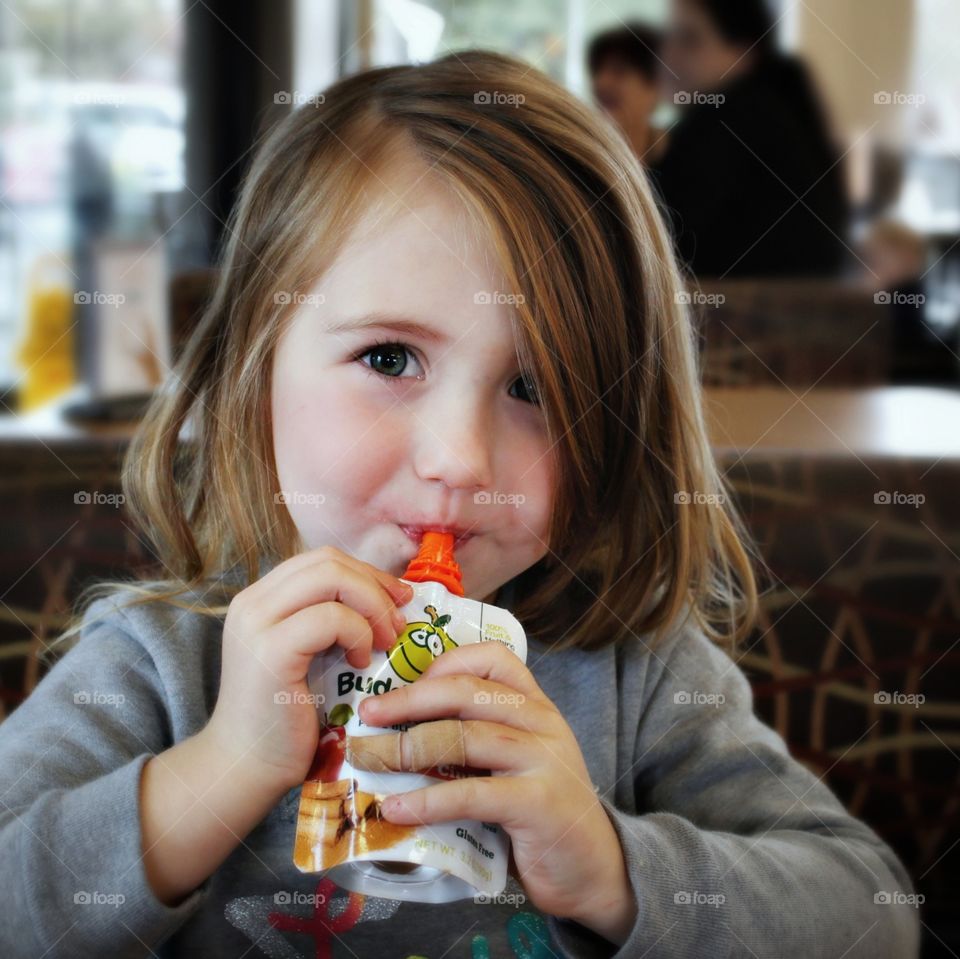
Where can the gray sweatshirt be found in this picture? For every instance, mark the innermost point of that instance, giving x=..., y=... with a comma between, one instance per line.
x=732, y=847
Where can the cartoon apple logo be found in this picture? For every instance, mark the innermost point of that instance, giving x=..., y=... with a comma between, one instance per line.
x=419, y=645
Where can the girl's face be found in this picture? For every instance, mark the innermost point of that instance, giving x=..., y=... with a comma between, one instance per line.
x=433, y=427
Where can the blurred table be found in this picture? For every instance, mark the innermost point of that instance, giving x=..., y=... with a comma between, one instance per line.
x=895, y=421
x=47, y=426
x=64, y=526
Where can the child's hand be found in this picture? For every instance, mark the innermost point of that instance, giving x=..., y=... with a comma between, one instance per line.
x=265, y=716
x=565, y=849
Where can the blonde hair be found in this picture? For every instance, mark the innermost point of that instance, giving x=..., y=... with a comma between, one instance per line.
x=600, y=328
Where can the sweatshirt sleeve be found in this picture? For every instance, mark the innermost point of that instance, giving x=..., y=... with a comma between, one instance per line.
x=71, y=756
x=738, y=849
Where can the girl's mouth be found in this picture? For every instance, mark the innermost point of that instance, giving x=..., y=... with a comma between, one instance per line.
x=415, y=533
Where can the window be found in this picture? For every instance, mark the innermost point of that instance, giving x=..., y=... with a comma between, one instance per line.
x=91, y=146
x=550, y=34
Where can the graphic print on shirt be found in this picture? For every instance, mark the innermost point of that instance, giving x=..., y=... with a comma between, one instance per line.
x=322, y=925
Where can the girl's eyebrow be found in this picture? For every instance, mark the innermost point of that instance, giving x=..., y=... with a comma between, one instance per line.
x=398, y=323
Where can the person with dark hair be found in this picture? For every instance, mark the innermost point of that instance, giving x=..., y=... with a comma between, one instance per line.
x=624, y=68
x=751, y=180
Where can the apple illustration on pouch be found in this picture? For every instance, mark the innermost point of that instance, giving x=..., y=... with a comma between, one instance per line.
x=332, y=745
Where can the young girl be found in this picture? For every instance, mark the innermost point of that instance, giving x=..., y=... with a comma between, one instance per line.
x=447, y=301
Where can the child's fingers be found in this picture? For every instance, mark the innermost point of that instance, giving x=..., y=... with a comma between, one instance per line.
x=333, y=581
x=488, y=660
x=508, y=800
x=399, y=592
x=480, y=745
x=466, y=697
x=316, y=628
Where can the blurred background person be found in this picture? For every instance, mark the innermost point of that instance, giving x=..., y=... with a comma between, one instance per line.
x=750, y=179
x=624, y=68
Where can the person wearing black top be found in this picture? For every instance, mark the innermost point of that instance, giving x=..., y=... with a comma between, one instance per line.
x=750, y=180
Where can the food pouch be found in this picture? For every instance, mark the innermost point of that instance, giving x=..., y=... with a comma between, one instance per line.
x=339, y=825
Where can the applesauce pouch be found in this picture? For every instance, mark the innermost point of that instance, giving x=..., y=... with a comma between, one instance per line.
x=339, y=825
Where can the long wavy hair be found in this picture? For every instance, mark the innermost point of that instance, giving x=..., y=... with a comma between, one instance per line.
x=643, y=534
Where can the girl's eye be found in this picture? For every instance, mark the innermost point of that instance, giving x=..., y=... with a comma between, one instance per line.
x=528, y=392
x=391, y=359
x=387, y=359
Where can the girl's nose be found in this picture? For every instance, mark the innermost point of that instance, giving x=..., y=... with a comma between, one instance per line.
x=455, y=446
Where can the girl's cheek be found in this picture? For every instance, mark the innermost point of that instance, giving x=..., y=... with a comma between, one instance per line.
x=353, y=435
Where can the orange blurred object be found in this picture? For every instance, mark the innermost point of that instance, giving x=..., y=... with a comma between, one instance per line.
x=46, y=353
